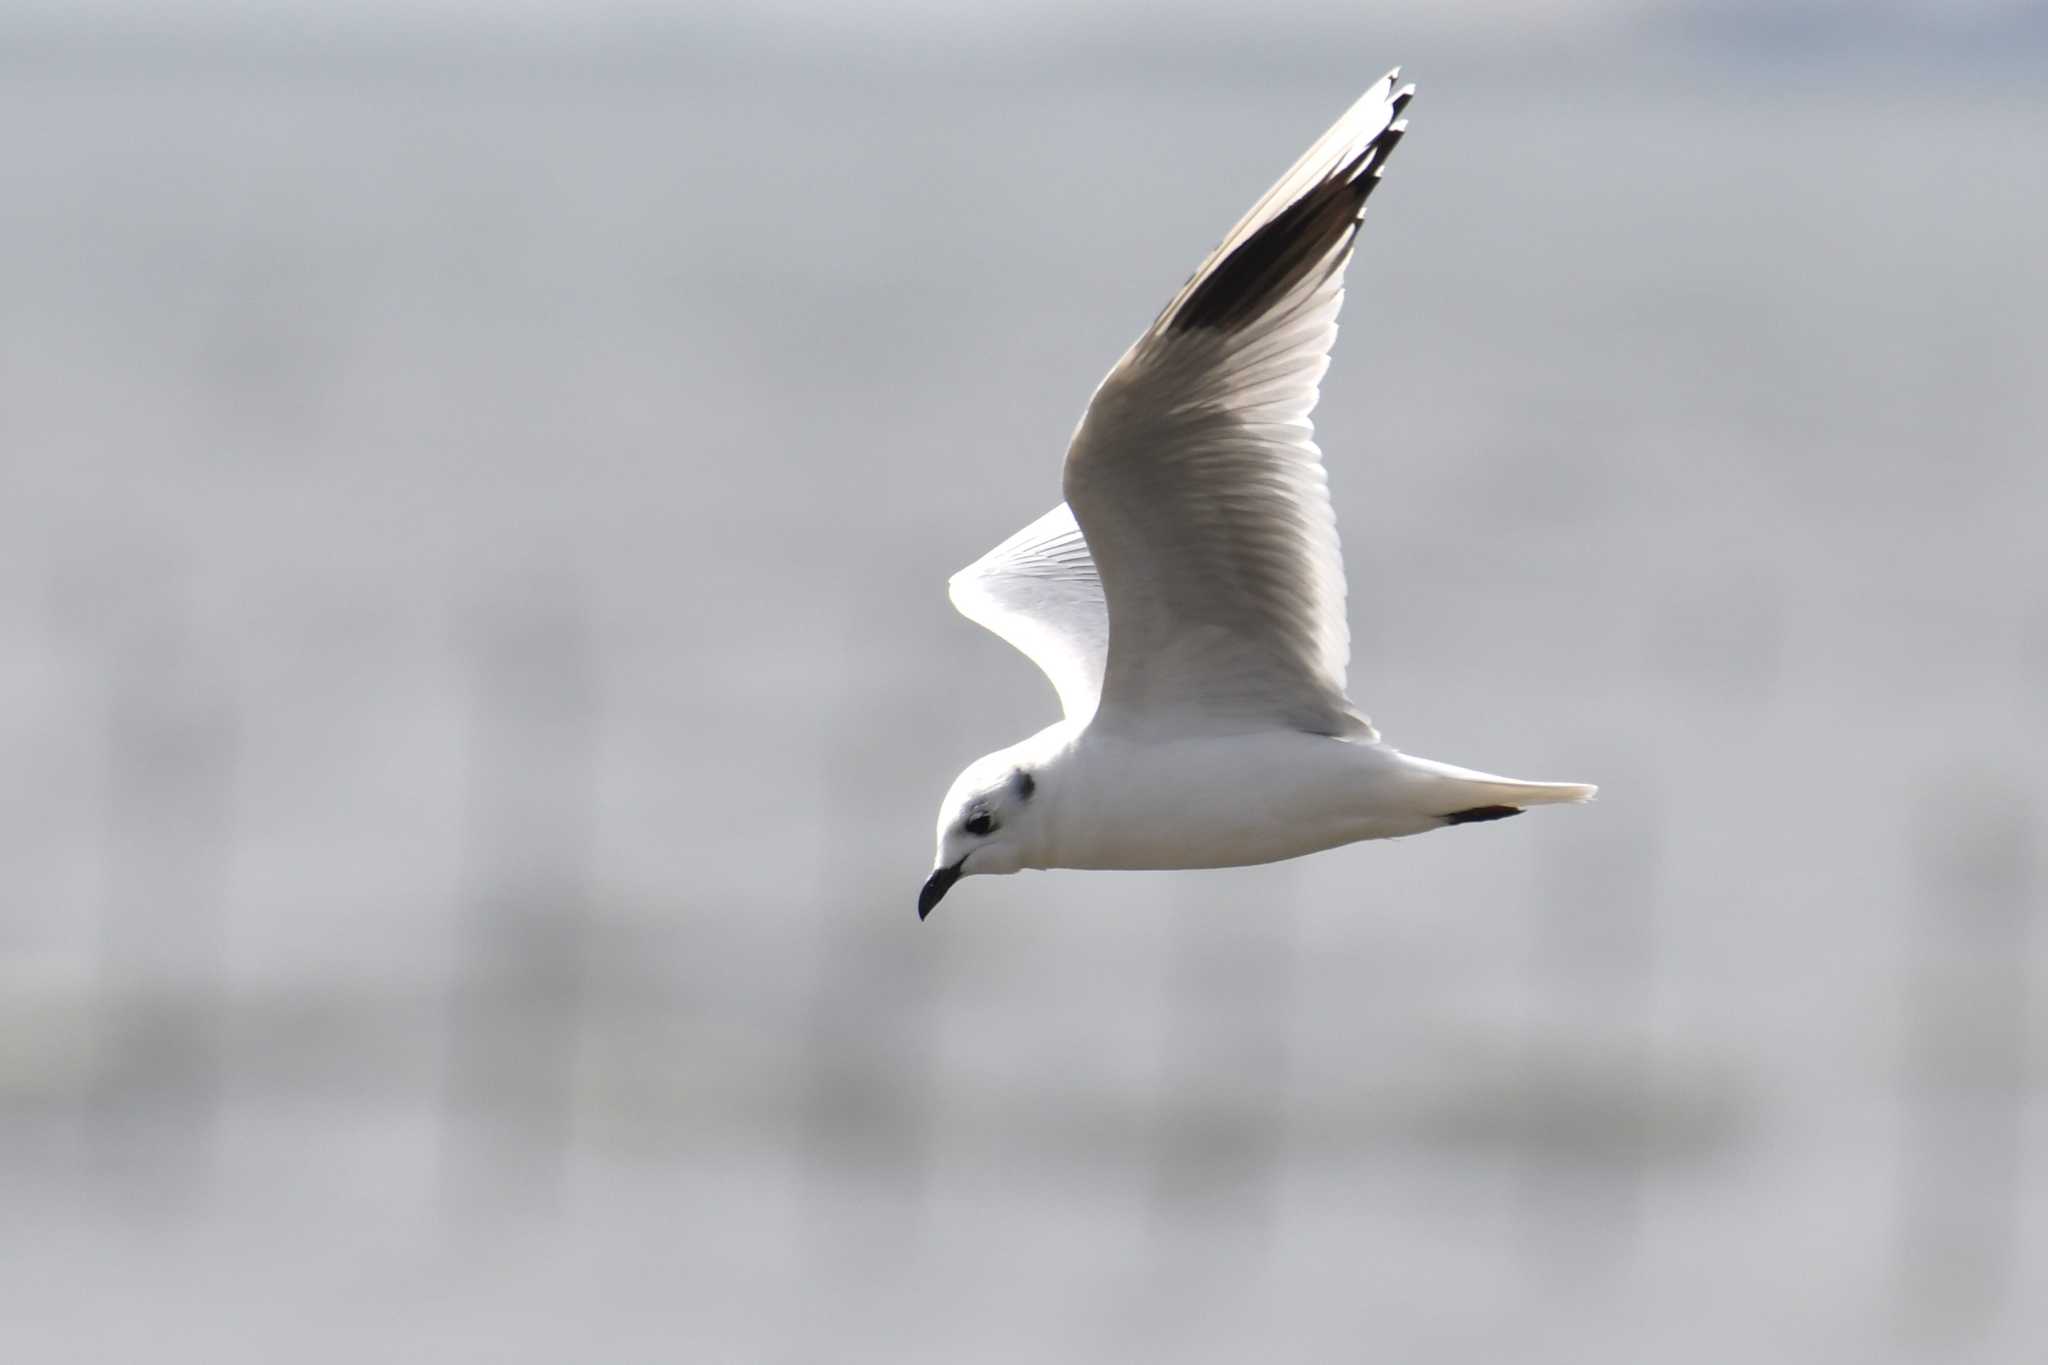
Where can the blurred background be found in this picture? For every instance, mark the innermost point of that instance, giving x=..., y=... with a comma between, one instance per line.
x=476, y=684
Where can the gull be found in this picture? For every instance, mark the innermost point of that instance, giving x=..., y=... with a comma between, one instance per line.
x=1187, y=598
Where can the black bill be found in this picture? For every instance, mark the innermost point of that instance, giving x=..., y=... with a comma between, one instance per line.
x=936, y=886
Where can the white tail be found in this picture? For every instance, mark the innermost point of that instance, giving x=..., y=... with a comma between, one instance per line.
x=1454, y=789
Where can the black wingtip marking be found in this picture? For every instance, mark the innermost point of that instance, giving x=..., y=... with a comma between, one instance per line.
x=1263, y=267
x=1478, y=813
x=1272, y=260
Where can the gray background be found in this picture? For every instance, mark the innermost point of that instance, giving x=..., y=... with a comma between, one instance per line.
x=479, y=484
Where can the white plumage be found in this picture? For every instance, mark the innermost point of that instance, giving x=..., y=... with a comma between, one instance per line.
x=1187, y=599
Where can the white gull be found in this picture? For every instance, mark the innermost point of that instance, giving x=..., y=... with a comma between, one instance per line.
x=1187, y=599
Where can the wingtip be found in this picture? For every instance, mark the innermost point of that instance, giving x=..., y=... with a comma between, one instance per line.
x=963, y=591
x=1388, y=89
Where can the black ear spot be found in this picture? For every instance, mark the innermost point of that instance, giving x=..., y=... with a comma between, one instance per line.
x=1023, y=784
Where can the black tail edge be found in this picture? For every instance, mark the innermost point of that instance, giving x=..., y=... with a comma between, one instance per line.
x=1478, y=813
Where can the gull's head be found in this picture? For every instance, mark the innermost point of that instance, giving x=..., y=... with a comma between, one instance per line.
x=990, y=821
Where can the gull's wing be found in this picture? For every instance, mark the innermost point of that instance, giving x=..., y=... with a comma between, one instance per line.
x=1039, y=591
x=1195, y=475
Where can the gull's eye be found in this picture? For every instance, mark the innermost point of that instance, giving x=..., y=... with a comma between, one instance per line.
x=979, y=824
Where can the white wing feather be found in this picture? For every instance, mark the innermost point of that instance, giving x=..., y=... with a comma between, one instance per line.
x=1039, y=590
x=1195, y=472
x=1195, y=478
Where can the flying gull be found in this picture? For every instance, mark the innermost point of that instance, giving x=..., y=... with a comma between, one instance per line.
x=1187, y=599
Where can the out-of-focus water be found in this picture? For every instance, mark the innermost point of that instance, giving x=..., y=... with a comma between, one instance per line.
x=478, y=684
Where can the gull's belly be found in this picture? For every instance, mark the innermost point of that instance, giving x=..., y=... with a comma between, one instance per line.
x=1229, y=801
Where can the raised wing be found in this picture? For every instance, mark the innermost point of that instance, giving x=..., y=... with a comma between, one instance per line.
x=1195, y=476
x=1039, y=590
